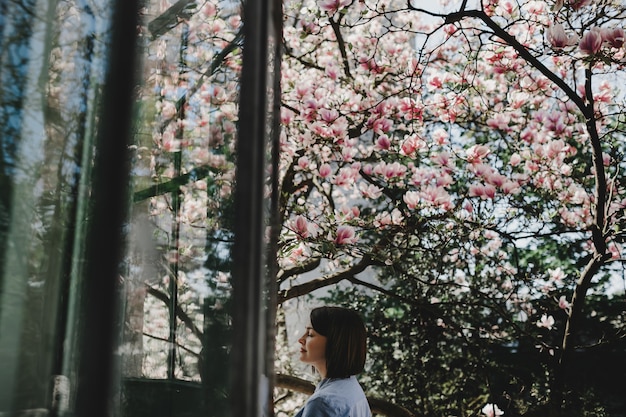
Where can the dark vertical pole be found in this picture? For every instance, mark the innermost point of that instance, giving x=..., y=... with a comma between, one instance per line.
x=248, y=266
x=107, y=214
x=275, y=222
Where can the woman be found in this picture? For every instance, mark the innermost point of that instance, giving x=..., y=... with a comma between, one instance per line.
x=334, y=345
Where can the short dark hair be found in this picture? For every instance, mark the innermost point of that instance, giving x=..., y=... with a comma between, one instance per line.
x=345, y=339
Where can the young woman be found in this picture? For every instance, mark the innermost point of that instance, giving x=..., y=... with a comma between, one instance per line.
x=334, y=344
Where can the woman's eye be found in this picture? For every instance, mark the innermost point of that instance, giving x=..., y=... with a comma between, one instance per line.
x=310, y=335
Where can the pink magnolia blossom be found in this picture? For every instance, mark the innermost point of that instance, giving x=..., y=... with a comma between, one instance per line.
x=482, y=169
x=209, y=9
x=409, y=146
x=579, y=4
x=505, y=8
x=490, y=191
x=511, y=187
x=348, y=153
x=435, y=83
x=444, y=160
x=368, y=169
x=370, y=65
x=410, y=109
x=393, y=170
x=535, y=8
x=303, y=228
x=325, y=170
x=558, y=38
x=563, y=303
x=556, y=274
x=492, y=410
x=476, y=190
x=443, y=180
x=546, y=322
x=170, y=143
x=345, y=177
x=449, y=30
x=168, y=110
x=614, y=37
x=554, y=148
x=412, y=199
x=383, y=143
x=490, y=6
x=591, y=43
x=606, y=93
x=331, y=6
x=476, y=153
x=297, y=255
x=440, y=136
x=329, y=115
x=437, y=196
x=370, y=191
x=421, y=176
x=386, y=218
x=615, y=250
x=499, y=121
x=303, y=162
x=345, y=235
x=484, y=191
x=349, y=213
x=381, y=125
x=333, y=72
x=340, y=127
x=496, y=179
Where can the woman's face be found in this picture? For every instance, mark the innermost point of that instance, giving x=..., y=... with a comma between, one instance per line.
x=313, y=348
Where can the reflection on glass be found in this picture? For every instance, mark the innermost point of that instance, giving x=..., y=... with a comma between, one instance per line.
x=51, y=73
x=175, y=278
x=175, y=307
x=177, y=326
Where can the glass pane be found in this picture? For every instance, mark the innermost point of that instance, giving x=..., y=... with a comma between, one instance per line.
x=51, y=72
x=178, y=335
x=177, y=313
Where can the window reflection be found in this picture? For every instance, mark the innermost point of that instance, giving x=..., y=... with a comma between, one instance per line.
x=175, y=320
x=51, y=71
x=177, y=326
x=178, y=266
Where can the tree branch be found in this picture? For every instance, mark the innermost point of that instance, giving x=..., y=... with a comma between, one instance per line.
x=179, y=311
x=521, y=50
x=342, y=47
x=598, y=228
x=302, y=269
x=175, y=183
x=171, y=18
x=315, y=284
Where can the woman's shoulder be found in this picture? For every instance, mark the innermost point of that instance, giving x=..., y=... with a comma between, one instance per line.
x=339, y=391
x=334, y=405
x=349, y=383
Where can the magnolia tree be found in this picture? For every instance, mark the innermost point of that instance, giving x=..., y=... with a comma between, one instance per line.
x=470, y=155
x=473, y=153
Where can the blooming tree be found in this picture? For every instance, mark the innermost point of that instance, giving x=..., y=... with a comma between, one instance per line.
x=472, y=153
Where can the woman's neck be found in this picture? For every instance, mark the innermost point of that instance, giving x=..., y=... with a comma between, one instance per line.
x=321, y=369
